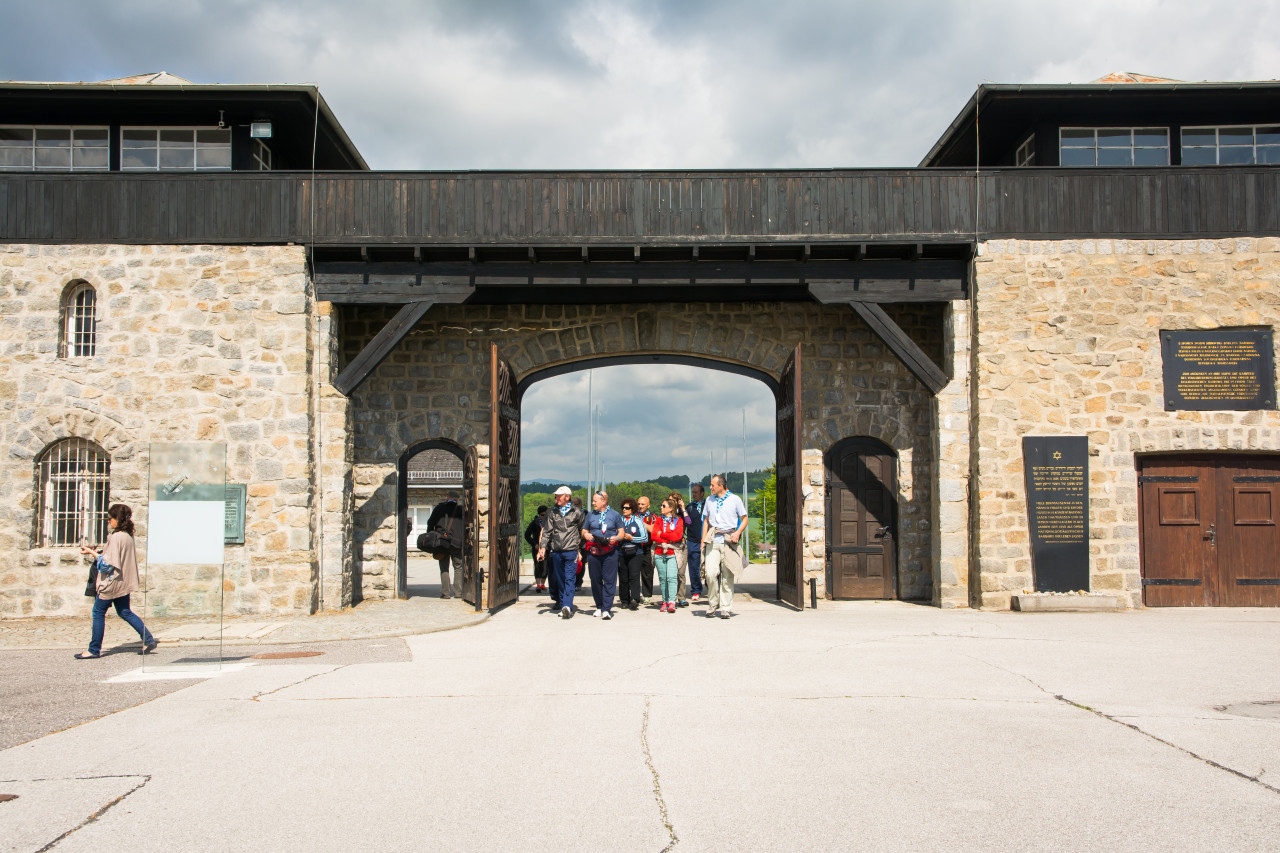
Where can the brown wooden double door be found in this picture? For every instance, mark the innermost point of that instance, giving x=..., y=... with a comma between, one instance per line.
x=1209, y=531
x=861, y=518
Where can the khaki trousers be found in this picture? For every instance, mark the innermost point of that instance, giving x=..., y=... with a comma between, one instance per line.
x=720, y=562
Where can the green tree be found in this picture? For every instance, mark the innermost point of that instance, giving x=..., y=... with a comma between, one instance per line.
x=765, y=504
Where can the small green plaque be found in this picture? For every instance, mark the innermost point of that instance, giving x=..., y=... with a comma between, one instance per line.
x=233, y=531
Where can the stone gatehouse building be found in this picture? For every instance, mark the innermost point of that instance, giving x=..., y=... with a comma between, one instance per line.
x=916, y=326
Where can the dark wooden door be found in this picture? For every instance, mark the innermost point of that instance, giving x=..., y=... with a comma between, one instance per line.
x=470, y=512
x=861, y=519
x=1248, y=537
x=1209, y=533
x=1179, y=511
x=504, y=483
x=789, y=447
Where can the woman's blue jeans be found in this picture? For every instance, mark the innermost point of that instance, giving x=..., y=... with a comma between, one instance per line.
x=100, y=607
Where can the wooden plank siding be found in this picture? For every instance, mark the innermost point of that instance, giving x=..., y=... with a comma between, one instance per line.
x=654, y=208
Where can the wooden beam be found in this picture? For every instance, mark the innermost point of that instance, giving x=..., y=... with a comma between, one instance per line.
x=900, y=343
x=380, y=347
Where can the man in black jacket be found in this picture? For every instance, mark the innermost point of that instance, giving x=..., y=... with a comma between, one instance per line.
x=532, y=534
x=447, y=518
x=559, y=544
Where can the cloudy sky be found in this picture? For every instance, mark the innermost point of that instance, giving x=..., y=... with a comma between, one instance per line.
x=503, y=84
x=653, y=422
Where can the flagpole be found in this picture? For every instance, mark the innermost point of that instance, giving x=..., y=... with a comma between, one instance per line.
x=746, y=534
x=590, y=433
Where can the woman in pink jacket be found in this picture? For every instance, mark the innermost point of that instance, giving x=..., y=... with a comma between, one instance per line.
x=668, y=535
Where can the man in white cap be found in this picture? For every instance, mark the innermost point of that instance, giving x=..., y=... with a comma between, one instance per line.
x=559, y=544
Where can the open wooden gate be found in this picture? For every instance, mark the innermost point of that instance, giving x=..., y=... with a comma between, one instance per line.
x=504, y=483
x=471, y=513
x=790, y=498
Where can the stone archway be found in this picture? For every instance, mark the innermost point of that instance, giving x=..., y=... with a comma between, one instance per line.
x=434, y=386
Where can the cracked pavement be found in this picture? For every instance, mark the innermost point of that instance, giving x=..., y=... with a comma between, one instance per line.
x=862, y=725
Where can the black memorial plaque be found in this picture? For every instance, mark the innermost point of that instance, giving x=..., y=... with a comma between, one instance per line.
x=1218, y=369
x=1057, y=475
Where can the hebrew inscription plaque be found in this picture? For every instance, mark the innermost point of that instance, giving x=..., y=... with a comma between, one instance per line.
x=1057, y=477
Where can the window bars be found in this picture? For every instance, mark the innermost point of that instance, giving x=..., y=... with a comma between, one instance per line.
x=79, y=323
x=74, y=490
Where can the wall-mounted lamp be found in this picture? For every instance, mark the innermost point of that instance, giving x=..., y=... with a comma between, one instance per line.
x=260, y=130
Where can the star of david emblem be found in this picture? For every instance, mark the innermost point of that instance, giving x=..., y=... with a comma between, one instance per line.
x=1057, y=454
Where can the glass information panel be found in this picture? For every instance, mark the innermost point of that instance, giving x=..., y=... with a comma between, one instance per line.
x=186, y=523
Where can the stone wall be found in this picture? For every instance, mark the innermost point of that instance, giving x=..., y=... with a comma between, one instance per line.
x=435, y=385
x=194, y=343
x=1066, y=343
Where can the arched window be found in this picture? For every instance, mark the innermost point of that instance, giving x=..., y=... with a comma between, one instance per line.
x=79, y=321
x=74, y=487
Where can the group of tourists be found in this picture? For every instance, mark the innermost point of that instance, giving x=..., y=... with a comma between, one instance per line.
x=686, y=543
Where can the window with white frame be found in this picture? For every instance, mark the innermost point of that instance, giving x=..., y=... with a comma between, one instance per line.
x=79, y=329
x=1230, y=146
x=1026, y=153
x=79, y=321
x=175, y=148
x=54, y=148
x=1114, y=146
x=261, y=156
x=74, y=487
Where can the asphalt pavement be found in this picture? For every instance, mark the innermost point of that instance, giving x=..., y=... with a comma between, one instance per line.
x=861, y=725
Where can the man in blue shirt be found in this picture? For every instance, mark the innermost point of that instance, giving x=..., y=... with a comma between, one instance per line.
x=600, y=532
x=693, y=534
x=724, y=520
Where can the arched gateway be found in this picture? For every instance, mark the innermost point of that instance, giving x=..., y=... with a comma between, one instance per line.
x=835, y=376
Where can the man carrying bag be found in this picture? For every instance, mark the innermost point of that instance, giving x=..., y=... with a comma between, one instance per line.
x=446, y=534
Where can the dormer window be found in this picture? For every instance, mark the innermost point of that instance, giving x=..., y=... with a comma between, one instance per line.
x=1114, y=146
x=1230, y=146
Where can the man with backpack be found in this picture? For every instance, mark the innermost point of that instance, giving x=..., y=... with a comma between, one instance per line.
x=447, y=522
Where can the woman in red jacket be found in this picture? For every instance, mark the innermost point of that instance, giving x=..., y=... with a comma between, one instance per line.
x=668, y=535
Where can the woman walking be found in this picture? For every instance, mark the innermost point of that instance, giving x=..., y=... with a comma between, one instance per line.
x=634, y=540
x=668, y=535
x=117, y=577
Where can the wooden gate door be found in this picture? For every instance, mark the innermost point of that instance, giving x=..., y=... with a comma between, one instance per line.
x=471, y=513
x=1248, y=537
x=1179, y=509
x=862, y=502
x=790, y=498
x=504, y=483
x=1209, y=532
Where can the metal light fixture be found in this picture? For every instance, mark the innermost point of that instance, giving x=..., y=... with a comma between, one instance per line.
x=260, y=130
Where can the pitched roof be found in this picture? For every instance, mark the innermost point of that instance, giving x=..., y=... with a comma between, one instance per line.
x=1133, y=77
x=154, y=78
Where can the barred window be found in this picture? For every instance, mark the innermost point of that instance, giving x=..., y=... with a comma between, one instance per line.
x=74, y=489
x=79, y=322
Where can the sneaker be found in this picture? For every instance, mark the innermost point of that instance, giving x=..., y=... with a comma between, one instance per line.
x=710, y=614
x=149, y=647
x=671, y=607
x=725, y=614
x=682, y=603
x=635, y=605
x=608, y=614
x=566, y=613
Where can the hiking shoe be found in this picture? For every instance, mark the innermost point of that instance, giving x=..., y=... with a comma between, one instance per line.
x=725, y=614
x=565, y=613
x=635, y=605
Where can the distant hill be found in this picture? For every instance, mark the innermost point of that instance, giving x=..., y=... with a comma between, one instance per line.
x=680, y=482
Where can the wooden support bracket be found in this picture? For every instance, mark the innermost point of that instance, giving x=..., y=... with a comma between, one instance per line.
x=381, y=346
x=915, y=359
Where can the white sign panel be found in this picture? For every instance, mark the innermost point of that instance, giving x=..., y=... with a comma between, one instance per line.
x=186, y=533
